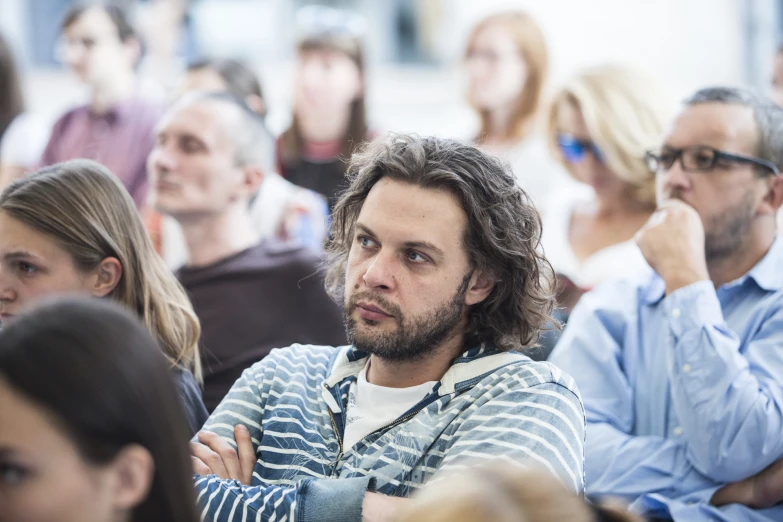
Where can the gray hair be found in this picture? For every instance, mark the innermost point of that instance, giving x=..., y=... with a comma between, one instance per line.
x=255, y=145
x=768, y=117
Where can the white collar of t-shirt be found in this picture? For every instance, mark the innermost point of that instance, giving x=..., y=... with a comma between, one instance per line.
x=371, y=407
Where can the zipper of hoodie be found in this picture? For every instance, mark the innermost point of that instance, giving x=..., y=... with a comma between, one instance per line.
x=339, y=440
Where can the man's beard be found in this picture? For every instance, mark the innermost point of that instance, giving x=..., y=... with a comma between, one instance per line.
x=726, y=232
x=414, y=338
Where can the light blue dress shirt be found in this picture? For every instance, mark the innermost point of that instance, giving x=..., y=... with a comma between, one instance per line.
x=682, y=393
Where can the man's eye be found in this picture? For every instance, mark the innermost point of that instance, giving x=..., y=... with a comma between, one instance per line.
x=416, y=257
x=27, y=268
x=365, y=241
x=11, y=475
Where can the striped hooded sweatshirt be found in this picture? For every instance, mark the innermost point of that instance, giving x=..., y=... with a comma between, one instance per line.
x=489, y=404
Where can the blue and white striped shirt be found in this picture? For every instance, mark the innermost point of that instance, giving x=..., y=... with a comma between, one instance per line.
x=488, y=405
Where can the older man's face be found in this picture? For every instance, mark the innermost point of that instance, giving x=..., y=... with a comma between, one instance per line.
x=727, y=197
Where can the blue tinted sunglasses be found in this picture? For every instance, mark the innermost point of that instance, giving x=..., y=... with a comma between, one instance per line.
x=574, y=150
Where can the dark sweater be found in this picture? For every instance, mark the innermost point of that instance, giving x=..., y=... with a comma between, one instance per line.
x=190, y=393
x=268, y=296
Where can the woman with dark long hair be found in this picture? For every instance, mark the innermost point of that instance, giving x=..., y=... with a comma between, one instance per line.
x=329, y=120
x=91, y=428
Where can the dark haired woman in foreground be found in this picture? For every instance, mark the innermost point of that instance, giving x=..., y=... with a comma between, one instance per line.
x=91, y=428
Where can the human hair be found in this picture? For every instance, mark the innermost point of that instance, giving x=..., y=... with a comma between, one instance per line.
x=86, y=210
x=503, y=492
x=240, y=80
x=11, y=99
x=118, y=15
x=291, y=141
x=502, y=236
x=625, y=115
x=92, y=367
x=767, y=115
x=254, y=144
x=531, y=44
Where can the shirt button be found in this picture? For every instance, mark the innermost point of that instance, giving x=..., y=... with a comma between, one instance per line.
x=677, y=431
x=686, y=368
x=675, y=312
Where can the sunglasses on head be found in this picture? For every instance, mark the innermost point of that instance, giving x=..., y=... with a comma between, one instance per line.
x=574, y=150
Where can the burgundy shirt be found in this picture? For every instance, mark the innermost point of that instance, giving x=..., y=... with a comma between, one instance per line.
x=121, y=139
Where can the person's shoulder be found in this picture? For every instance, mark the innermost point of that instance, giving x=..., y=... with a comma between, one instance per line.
x=526, y=373
x=291, y=253
x=307, y=359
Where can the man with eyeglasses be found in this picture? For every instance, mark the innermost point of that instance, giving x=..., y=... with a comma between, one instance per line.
x=116, y=127
x=681, y=369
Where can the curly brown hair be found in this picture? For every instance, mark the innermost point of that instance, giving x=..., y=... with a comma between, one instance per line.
x=502, y=238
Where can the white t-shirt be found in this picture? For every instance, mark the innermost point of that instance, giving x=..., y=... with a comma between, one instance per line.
x=372, y=407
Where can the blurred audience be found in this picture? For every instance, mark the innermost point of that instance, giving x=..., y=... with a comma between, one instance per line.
x=116, y=127
x=329, y=114
x=279, y=209
x=680, y=368
x=502, y=492
x=507, y=64
x=82, y=438
x=72, y=227
x=251, y=295
x=441, y=285
x=22, y=135
x=600, y=124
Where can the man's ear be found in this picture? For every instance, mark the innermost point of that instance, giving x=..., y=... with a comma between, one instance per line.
x=105, y=277
x=253, y=178
x=131, y=473
x=479, y=287
x=773, y=199
x=256, y=104
x=133, y=50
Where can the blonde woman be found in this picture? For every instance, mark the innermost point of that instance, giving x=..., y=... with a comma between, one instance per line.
x=506, y=62
x=73, y=228
x=501, y=492
x=600, y=125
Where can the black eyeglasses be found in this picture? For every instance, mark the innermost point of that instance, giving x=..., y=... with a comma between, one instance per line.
x=699, y=159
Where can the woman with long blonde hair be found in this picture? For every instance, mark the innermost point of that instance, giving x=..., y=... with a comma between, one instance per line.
x=600, y=123
x=73, y=228
x=507, y=63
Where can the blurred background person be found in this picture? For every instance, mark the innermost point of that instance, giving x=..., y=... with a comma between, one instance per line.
x=72, y=227
x=22, y=135
x=115, y=128
x=503, y=492
x=329, y=113
x=81, y=439
x=250, y=294
x=507, y=64
x=600, y=124
x=279, y=209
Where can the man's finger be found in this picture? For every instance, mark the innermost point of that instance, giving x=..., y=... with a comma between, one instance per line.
x=247, y=454
x=199, y=468
x=228, y=455
x=211, y=459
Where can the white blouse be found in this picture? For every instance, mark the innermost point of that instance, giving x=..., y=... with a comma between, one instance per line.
x=618, y=260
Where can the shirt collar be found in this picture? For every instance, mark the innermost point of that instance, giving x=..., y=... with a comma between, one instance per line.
x=766, y=274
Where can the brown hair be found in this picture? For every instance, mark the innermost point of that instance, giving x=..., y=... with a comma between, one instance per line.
x=530, y=40
x=292, y=141
x=85, y=208
x=11, y=100
x=502, y=237
x=502, y=492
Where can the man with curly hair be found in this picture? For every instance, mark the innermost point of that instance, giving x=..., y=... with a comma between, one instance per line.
x=434, y=255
